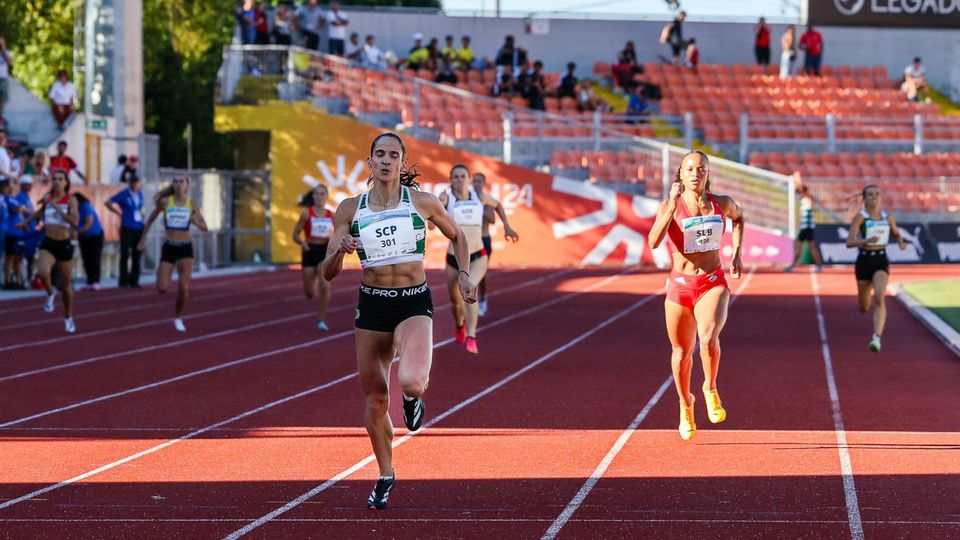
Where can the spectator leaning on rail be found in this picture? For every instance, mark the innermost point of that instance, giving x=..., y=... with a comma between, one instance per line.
x=62, y=94
x=812, y=43
x=788, y=54
x=915, y=81
x=284, y=24
x=310, y=21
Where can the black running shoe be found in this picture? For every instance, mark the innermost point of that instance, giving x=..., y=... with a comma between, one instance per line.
x=381, y=492
x=413, y=413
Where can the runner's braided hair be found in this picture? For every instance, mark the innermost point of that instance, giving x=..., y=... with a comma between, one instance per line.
x=408, y=175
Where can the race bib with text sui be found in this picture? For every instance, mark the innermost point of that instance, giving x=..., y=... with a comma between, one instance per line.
x=178, y=217
x=387, y=234
x=467, y=213
x=701, y=233
x=879, y=229
x=321, y=227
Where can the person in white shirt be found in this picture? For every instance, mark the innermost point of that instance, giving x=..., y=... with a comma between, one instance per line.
x=310, y=21
x=337, y=21
x=117, y=171
x=914, y=80
x=354, y=48
x=6, y=169
x=62, y=95
x=372, y=56
x=5, y=63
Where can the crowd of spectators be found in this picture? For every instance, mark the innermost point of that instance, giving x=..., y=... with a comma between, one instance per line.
x=308, y=25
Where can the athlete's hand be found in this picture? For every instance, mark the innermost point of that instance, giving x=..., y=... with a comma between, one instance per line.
x=873, y=240
x=903, y=244
x=141, y=245
x=511, y=234
x=467, y=289
x=736, y=267
x=348, y=244
x=676, y=189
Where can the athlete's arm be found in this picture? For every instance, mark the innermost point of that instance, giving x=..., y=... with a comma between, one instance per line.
x=443, y=201
x=852, y=240
x=665, y=214
x=298, y=228
x=434, y=211
x=895, y=233
x=197, y=219
x=508, y=231
x=733, y=211
x=25, y=223
x=142, y=244
x=342, y=242
x=73, y=212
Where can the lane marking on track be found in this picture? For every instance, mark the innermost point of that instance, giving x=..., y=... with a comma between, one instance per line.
x=310, y=391
x=790, y=521
x=439, y=418
x=201, y=337
x=621, y=441
x=225, y=365
x=846, y=467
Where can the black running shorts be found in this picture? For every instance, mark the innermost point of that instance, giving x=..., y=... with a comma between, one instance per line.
x=382, y=309
x=871, y=262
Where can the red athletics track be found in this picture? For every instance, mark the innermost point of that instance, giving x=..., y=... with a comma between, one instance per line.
x=531, y=437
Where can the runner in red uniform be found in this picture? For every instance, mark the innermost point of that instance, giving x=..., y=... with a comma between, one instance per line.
x=316, y=224
x=697, y=292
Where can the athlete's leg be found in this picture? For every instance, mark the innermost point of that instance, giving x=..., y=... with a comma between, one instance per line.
x=47, y=260
x=711, y=315
x=374, y=357
x=797, y=252
x=478, y=269
x=814, y=252
x=682, y=331
x=413, y=340
x=879, y=302
x=323, y=294
x=65, y=268
x=164, y=273
x=184, y=273
x=864, y=290
x=456, y=301
x=309, y=274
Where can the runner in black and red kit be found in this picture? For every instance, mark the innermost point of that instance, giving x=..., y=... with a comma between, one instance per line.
x=316, y=224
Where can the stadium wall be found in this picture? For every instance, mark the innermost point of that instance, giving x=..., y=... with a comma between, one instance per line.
x=586, y=41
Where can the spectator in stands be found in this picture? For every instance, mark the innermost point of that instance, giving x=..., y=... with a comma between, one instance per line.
x=64, y=162
x=672, y=35
x=812, y=44
x=788, y=54
x=128, y=204
x=5, y=63
x=623, y=71
x=373, y=56
x=761, y=42
x=446, y=74
x=246, y=18
x=568, y=83
x=90, y=238
x=6, y=170
x=354, y=48
x=310, y=20
x=283, y=25
x=449, y=51
x=337, y=20
x=465, y=56
x=693, y=55
x=117, y=171
x=520, y=84
x=41, y=169
x=434, y=49
x=639, y=106
x=419, y=57
x=629, y=52
x=62, y=94
x=260, y=24
x=915, y=80
x=587, y=101
x=510, y=57
x=536, y=87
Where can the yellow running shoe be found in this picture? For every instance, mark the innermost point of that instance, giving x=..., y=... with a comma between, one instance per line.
x=715, y=410
x=687, y=424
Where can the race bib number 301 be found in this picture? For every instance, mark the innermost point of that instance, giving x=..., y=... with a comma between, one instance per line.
x=387, y=234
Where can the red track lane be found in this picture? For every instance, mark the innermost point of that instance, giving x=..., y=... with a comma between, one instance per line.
x=509, y=463
x=342, y=405
x=239, y=388
x=47, y=391
x=901, y=414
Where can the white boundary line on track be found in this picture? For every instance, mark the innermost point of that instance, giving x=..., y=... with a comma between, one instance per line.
x=846, y=467
x=475, y=520
x=98, y=470
x=944, y=332
x=232, y=363
x=581, y=495
x=439, y=418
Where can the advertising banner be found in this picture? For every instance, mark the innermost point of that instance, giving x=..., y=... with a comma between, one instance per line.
x=890, y=13
x=561, y=221
x=947, y=238
x=832, y=241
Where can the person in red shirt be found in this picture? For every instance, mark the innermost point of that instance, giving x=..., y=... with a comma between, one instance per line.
x=761, y=45
x=812, y=43
x=65, y=163
x=693, y=55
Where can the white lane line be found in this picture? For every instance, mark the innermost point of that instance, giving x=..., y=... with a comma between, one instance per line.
x=581, y=495
x=846, y=468
x=202, y=337
x=364, y=462
x=225, y=365
x=272, y=404
x=480, y=520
